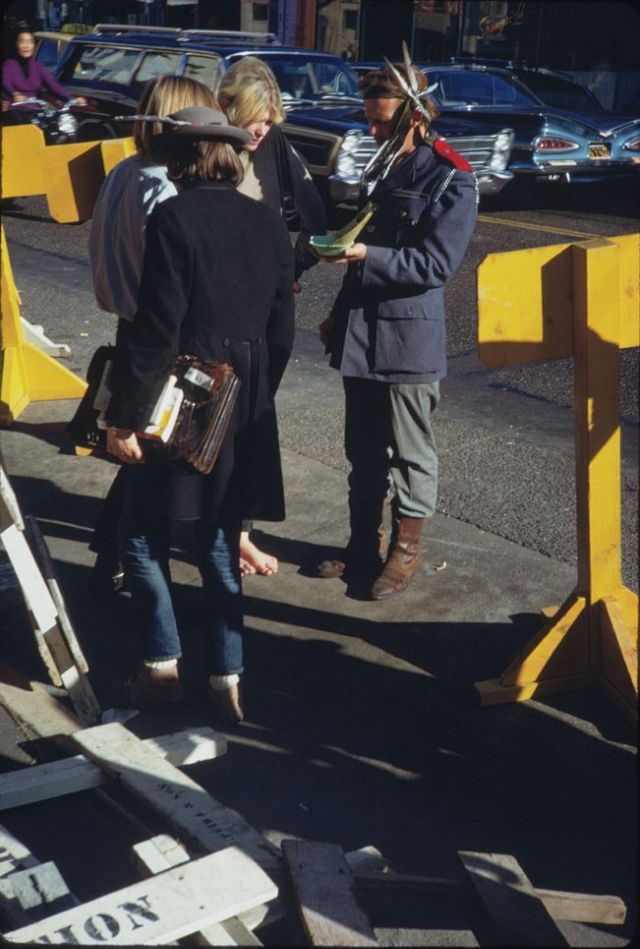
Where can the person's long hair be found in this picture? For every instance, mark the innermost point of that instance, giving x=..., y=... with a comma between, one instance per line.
x=164, y=96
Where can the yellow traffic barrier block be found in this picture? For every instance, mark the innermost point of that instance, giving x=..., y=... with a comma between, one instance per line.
x=73, y=174
x=27, y=373
x=114, y=150
x=69, y=175
x=22, y=149
x=583, y=300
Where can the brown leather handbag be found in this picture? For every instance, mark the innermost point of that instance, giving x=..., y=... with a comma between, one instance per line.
x=191, y=427
x=209, y=394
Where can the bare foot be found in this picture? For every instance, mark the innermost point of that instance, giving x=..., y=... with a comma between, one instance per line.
x=253, y=560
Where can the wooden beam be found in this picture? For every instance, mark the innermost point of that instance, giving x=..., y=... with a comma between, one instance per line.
x=169, y=906
x=195, y=815
x=323, y=890
x=560, y=904
x=70, y=775
x=515, y=909
x=163, y=852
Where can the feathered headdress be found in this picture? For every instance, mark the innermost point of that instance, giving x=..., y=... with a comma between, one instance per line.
x=415, y=99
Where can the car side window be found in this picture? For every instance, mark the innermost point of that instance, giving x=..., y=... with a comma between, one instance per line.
x=105, y=64
x=206, y=69
x=48, y=54
x=158, y=63
x=477, y=88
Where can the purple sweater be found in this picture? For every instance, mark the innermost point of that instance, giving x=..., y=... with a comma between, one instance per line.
x=14, y=80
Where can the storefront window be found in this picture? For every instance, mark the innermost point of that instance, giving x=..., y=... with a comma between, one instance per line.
x=338, y=27
x=435, y=30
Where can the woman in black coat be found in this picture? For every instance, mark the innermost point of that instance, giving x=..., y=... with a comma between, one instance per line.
x=216, y=284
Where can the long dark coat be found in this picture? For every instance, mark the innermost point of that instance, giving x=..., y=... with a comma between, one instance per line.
x=217, y=284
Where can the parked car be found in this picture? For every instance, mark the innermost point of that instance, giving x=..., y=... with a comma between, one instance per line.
x=325, y=119
x=561, y=133
x=50, y=47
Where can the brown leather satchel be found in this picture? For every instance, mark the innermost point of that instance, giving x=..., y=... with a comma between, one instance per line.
x=192, y=415
x=210, y=391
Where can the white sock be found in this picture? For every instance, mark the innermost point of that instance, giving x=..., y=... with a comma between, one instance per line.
x=160, y=663
x=218, y=683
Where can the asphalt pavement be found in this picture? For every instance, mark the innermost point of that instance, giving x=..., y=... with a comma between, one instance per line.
x=362, y=722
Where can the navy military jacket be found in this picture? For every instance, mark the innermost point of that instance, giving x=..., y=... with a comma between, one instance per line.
x=390, y=316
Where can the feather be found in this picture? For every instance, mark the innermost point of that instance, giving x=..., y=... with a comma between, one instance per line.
x=409, y=69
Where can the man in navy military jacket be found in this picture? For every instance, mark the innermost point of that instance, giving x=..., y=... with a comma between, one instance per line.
x=386, y=331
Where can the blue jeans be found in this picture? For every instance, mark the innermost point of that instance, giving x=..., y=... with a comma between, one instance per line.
x=145, y=543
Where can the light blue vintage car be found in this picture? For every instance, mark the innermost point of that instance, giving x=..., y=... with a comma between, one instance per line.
x=567, y=138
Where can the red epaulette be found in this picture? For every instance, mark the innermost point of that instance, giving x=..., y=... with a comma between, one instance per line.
x=442, y=147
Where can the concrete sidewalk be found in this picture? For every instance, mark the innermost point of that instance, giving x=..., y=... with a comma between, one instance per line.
x=362, y=726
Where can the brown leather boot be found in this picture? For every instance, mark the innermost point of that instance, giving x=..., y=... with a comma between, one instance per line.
x=403, y=559
x=367, y=545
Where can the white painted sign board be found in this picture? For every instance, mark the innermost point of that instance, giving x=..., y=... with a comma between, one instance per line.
x=160, y=909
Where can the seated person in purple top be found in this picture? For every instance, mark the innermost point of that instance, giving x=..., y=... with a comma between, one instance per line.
x=23, y=77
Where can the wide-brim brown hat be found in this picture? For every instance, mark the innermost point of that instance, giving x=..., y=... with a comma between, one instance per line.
x=200, y=124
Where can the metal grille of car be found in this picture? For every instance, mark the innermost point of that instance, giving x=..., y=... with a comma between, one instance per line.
x=475, y=149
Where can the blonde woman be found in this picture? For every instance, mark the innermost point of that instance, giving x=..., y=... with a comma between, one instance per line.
x=116, y=249
x=275, y=175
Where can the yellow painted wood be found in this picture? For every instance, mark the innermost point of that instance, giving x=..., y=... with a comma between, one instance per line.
x=113, y=150
x=581, y=299
x=524, y=305
x=596, y=322
x=22, y=149
x=493, y=692
x=28, y=374
x=525, y=301
x=73, y=174
x=620, y=643
x=559, y=649
x=628, y=709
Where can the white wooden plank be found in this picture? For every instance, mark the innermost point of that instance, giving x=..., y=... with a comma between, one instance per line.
x=161, y=853
x=14, y=855
x=70, y=775
x=43, y=558
x=323, y=890
x=39, y=886
x=196, y=816
x=169, y=906
x=9, y=507
x=34, y=589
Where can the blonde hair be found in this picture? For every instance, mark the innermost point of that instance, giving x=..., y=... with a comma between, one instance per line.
x=164, y=96
x=248, y=89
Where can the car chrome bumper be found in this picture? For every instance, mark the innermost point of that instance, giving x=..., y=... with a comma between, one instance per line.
x=577, y=168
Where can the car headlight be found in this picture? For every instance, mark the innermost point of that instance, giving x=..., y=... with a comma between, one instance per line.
x=68, y=124
x=501, y=150
x=346, y=164
x=633, y=145
x=553, y=143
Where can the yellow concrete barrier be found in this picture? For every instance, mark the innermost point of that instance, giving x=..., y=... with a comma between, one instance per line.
x=69, y=175
x=583, y=300
x=27, y=374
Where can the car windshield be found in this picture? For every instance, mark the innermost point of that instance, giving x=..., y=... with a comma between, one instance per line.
x=101, y=64
x=561, y=93
x=300, y=78
x=468, y=87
